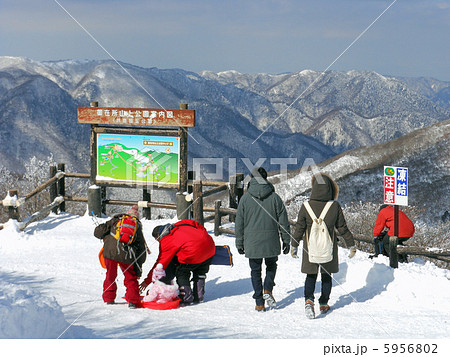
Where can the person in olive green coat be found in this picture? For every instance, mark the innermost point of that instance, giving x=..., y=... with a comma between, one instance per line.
x=324, y=189
x=260, y=220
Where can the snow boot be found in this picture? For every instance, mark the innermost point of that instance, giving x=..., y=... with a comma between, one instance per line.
x=309, y=309
x=268, y=297
x=199, y=289
x=260, y=308
x=324, y=308
x=186, y=295
x=132, y=305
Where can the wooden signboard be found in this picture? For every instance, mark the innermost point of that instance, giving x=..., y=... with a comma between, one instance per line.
x=137, y=116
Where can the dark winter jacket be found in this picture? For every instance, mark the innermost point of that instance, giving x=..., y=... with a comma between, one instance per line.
x=260, y=219
x=188, y=241
x=135, y=254
x=322, y=191
x=386, y=218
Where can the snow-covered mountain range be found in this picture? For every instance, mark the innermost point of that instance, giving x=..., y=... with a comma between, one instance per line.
x=349, y=123
x=298, y=115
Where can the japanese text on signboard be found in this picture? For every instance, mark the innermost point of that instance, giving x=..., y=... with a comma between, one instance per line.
x=396, y=185
x=136, y=116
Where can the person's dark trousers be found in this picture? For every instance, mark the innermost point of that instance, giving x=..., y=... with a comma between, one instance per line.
x=256, y=275
x=310, y=285
x=199, y=271
x=402, y=258
x=182, y=272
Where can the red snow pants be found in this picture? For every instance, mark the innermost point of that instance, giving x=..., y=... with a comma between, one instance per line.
x=130, y=282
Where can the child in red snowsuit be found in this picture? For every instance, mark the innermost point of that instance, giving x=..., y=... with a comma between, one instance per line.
x=129, y=259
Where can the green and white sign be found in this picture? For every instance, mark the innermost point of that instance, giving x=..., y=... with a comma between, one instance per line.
x=141, y=159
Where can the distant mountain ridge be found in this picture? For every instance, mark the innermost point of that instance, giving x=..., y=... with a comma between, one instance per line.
x=238, y=115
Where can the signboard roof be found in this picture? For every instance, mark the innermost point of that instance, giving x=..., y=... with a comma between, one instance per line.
x=137, y=116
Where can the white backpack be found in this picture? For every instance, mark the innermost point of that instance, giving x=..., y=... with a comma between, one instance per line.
x=320, y=245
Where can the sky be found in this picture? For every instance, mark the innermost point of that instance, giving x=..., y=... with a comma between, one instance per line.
x=392, y=37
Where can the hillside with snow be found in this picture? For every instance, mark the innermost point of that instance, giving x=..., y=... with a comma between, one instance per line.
x=359, y=172
x=314, y=114
x=52, y=282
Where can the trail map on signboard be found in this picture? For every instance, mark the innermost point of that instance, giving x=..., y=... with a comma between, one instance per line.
x=141, y=159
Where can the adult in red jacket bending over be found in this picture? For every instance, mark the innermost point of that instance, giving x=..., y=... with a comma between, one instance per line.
x=184, y=247
x=386, y=219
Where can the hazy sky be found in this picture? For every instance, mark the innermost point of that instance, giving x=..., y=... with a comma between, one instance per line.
x=412, y=38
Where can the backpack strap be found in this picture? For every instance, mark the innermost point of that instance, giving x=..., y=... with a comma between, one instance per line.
x=184, y=224
x=325, y=209
x=310, y=211
x=322, y=214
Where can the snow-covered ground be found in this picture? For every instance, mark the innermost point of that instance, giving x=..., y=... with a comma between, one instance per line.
x=51, y=283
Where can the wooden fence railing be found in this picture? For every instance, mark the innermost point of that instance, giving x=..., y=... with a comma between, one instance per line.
x=58, y=197
x=395, y=249
x=187, y=206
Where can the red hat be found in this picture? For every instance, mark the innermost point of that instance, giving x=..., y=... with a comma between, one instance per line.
x=134, y=211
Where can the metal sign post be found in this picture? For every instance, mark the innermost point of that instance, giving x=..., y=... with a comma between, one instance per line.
x=396, y=193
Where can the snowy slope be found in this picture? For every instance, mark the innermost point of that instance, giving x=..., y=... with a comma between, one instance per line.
x=50, y=275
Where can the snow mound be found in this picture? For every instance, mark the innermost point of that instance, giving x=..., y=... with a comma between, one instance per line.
x=26, y=313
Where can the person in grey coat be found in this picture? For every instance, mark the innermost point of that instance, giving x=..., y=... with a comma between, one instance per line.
x=260, y=220
x=324, y=189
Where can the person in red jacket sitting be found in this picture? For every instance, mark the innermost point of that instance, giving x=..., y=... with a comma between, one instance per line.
x=184, y=248
x=381, y=236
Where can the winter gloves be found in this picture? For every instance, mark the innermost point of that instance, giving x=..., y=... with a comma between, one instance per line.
x=352, y=252
x=286, y=248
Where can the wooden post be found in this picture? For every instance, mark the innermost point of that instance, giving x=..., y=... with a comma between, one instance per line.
x=93, y=148
x=93, y=153
x=396, y=220
x=235, y=192
x=190, y=178
x=183, y=206
x=103, y=199
x=217, y=217
x=146, y=211
x=95, y=201
x=197, y=204
x=393, y=241
x=53, y=190
x=393, y=255
x=62, y=187
x=182, y=132
x=13, y=212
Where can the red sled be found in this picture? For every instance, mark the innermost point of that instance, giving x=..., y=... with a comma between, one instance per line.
x=161, y=305
x=153, y=305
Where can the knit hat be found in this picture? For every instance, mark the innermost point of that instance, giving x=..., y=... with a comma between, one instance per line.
x=155, y=231
x=134, y=211
x=160, y=232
